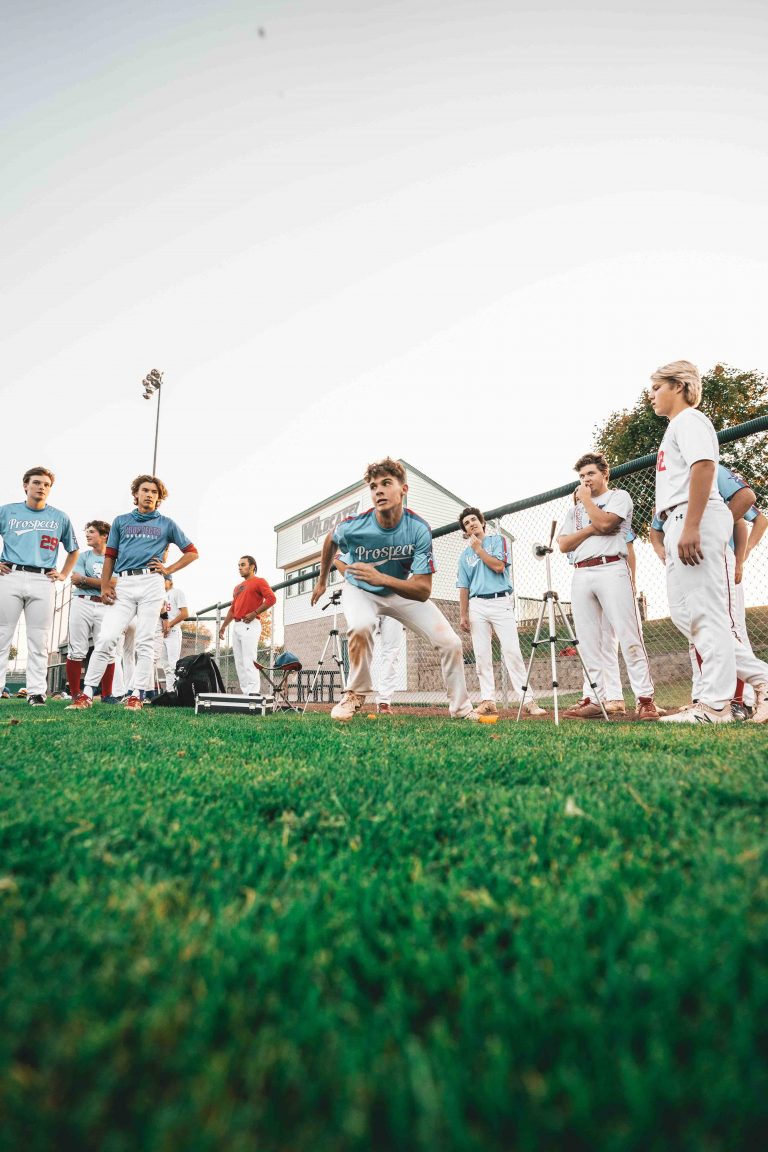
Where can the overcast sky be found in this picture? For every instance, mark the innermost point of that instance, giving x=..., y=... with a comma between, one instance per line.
x=462, y=233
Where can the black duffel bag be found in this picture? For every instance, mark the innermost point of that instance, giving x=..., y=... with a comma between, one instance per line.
x=194, y=674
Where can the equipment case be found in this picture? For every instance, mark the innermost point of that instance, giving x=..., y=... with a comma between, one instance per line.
x=226, y=703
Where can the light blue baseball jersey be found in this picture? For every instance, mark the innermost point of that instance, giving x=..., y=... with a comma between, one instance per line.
x=136, y=538
x=91, y=565
x=32, y=536
x=475, y=575
x=728, y=484
x=400, y=551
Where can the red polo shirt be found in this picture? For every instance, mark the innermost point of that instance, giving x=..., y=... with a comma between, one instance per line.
x=250, y=596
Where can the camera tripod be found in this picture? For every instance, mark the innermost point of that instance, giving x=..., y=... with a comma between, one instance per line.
x=549, y=602
x=331, y=641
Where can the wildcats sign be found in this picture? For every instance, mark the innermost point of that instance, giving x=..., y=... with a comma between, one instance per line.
x=321, y=525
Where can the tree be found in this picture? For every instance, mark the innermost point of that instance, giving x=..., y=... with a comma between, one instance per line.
x=728, y=397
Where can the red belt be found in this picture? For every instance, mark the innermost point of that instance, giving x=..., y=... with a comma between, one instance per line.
x=598, y=560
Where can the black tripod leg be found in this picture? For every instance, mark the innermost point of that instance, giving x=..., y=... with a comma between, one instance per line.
x=575, y=643
x=534, y=645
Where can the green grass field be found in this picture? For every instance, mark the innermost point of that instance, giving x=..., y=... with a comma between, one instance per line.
x=282, y=934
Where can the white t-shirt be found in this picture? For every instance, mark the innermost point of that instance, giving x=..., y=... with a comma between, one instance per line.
x=689, y=438
x=618, y=503
x=174, y=599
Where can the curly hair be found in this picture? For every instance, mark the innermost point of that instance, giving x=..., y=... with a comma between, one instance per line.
x=145, y=478
x=386, y=467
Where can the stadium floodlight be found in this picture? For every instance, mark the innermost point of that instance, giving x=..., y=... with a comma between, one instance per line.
x=151, y=385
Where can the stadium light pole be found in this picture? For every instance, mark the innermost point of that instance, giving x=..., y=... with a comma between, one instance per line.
x=152, y=383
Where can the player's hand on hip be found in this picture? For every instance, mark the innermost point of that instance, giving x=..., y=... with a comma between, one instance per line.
x=4, y=569
x=158, y=566
x=367, y=572
x=689, y=546
x=55, y=576
x=317, y=592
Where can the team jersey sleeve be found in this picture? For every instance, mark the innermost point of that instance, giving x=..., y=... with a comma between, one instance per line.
x=68, y=538
x=462, y=575
x=569, y=524
x=339, y=536
x=619, y=504
x=177, y=537
x=423, y=558
x=113, y=540
x=631, y=536
x=728, y=484
x=657, y=523
x=751, y=513
x=695, y=442
x=181, y=599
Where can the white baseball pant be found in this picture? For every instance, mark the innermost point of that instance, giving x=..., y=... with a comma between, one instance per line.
x=605, y=593
x=609, y=660
x=33, y=594
x=485, y=618
x=699, y=600
x=245, y=645
x=388, y=644
x=139, y=597
x=749, y=667
x=362, y=609
x=86, y=617
x=171, y=654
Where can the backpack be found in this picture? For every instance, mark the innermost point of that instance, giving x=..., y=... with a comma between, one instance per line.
x=194, y=674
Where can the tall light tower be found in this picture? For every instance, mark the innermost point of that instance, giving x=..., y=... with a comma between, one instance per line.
x=151, y=384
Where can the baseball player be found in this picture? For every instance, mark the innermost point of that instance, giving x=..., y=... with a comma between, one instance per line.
x=389, y=566
x=486, y=605
x=740, y=499
x=174, y=612
x=251, y=598
x=32, y=532
x=697, y=528
x=137, y=543
x=595, y=529
x=87, y=609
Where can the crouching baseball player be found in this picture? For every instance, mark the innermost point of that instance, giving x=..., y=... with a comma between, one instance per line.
x=486, y=605
x=32, y=532
x=137, y=543
x=173, y=615
x=87, y=609
x=389, y=564
x=595, y=529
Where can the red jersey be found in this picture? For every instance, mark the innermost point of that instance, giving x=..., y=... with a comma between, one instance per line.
x=250, y=596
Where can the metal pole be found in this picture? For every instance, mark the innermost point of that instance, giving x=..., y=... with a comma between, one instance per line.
x=157, y=429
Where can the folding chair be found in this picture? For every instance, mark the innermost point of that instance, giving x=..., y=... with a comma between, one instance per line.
x=278, y=677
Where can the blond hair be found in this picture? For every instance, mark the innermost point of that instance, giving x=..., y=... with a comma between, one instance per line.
x=685, y=373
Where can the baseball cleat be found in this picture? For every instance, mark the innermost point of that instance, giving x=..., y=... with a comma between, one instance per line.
x=468, y=716
x=350, y=703
x=760, y=711
x=5, y=694
x=384, y=709
x=133, y=704
x=699, y=714
x=21, y=694
x=584, y=710
x=740, y=711
x=646, y=709
x=81, y=701
x=615, y=708
x=36, y=700
x=486, y=708
x=531, y=708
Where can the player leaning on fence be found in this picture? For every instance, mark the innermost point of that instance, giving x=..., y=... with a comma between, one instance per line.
x=595, y=530
x=389, y=564
x=697, y=528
